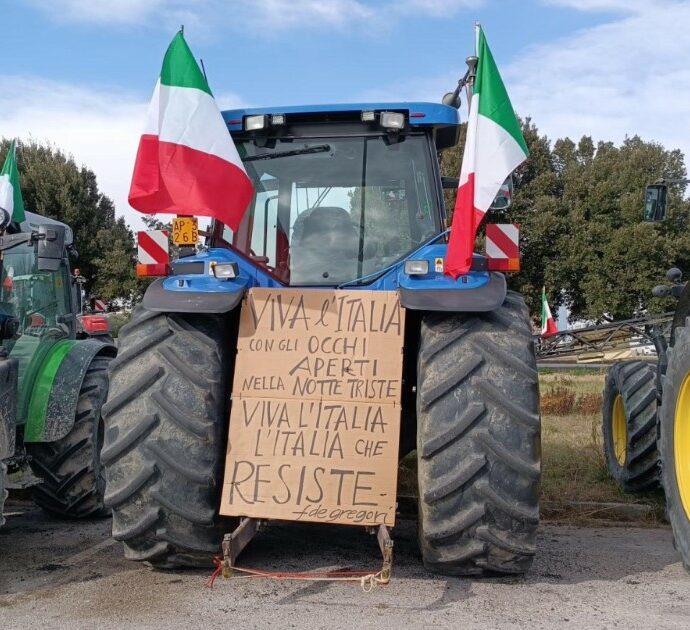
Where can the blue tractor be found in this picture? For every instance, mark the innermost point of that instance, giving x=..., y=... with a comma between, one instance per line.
x=350, y=197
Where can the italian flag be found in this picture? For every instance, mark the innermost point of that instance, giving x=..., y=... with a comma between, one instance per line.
x=187, y=163
x=548, y=325
x=494, y=147
x=10, y=193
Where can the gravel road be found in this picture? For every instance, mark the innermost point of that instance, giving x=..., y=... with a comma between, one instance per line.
x=59, y=574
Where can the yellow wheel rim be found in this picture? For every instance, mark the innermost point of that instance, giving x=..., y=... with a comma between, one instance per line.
x=619, y=431
x=681, y=443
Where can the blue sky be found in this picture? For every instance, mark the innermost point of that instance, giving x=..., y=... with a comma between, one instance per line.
x=79, y=73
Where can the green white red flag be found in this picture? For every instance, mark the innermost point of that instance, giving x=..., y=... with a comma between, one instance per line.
x=494, y=148
x=548, y=325
x=187, y=163
x=10, y=193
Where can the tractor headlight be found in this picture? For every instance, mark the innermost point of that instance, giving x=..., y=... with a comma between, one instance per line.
x=392, y=121
x=255, y=123
x=225, y=271
x=416, y=267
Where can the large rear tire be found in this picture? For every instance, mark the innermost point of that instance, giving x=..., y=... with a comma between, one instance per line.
x=166, y=419
x=478, y=441
x=674, y=440
x=73, y=482
x=629, y=425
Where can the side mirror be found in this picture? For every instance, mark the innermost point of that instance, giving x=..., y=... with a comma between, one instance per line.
x=655, y=203
x=504, y=198
x=51, y=247
x=452, y=99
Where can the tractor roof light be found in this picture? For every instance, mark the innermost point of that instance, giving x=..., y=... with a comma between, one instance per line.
x=368, y=116
x=225, y=271
x=277, y=120
x=255, y=123
x=416, y=267
x=392, y=121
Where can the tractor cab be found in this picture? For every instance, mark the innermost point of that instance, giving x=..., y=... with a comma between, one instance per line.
x=37, y=294
x=343, y=192
x=38, y=299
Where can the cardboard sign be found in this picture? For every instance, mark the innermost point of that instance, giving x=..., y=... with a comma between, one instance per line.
x=315, y=419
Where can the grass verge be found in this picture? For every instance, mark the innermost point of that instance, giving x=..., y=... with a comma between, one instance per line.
x=576, y=487
x=574, y=475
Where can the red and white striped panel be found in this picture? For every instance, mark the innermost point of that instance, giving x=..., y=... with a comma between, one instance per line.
x=153, y=255
x=503, y=246
x=153, y=247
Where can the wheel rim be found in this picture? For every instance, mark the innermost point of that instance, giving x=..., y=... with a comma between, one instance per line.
x=619, y=431
x=681, y=443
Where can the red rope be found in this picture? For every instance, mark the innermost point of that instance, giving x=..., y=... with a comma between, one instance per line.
x=342, y=575
x=218, y=570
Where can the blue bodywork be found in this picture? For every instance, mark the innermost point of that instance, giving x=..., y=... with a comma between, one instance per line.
x=475, y=291
x=421, y=114
x=251, y=275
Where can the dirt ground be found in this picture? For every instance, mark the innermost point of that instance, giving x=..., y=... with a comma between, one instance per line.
x=72, y=575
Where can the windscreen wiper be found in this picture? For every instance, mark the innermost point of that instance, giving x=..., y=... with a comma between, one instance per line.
x=319, y=148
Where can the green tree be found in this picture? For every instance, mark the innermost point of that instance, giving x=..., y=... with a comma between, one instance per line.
x=579, y=206
x=54, y=186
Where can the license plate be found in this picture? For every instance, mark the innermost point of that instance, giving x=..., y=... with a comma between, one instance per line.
x=185, y=230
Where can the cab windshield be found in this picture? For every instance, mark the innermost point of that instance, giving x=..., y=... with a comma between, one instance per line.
x=334, y=210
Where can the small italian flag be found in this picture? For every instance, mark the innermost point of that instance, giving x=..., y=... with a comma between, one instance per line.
x=548, y=325
x=494, y=148
x=187, y=163
x=10, y=192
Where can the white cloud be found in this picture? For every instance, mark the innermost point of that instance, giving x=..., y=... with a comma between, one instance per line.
x=613, y=6
x=265, y=14
x=436, y=8
x=99, y=128
x=164, y=14
x=115, y=11
x=629, y=75
x=304, y=13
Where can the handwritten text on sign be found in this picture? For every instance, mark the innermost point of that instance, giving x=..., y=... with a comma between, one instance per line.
x=315, y=416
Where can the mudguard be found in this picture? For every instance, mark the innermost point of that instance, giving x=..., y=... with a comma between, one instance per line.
x=55, y=392
x=682, y=311
x=182, y=299
x=444, y=295
x=8, y=406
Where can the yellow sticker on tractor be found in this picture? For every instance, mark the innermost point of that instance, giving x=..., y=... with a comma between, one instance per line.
x=438, y=265
x=185, y=230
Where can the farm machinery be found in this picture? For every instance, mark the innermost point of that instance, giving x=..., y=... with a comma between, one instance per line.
x=646, y=406
x=348, y=199
x=52, y=382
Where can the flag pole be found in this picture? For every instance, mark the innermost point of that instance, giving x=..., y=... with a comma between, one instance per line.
x=472, y=62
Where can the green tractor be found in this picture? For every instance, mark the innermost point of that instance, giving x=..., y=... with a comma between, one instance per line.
x=646, y=407
x=52, y=384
